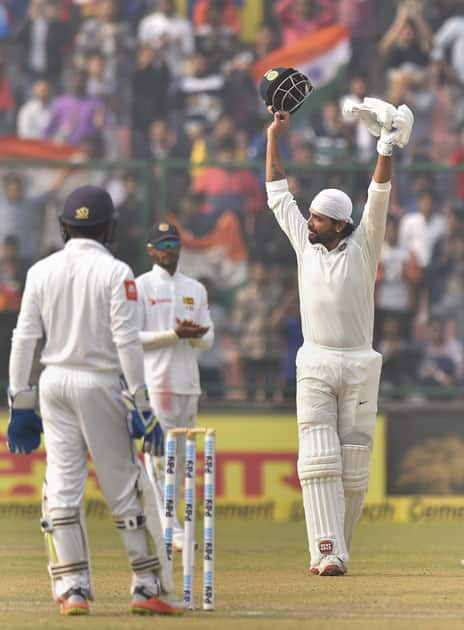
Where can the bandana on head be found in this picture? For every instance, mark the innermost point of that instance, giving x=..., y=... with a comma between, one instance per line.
x=333, y=203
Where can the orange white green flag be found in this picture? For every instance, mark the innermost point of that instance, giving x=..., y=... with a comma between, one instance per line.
x=322, y=56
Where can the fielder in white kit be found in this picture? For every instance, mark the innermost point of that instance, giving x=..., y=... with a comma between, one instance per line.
x=175, y=325
x=338, y=371
x=84, y=302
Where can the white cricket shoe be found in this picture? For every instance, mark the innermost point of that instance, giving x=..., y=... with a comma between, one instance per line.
x=330, y=565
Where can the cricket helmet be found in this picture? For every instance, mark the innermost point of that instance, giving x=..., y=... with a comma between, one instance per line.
x=285, y=89
x=87, y=206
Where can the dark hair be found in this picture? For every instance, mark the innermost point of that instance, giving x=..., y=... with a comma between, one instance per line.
x=95, y=232
x=347, y=230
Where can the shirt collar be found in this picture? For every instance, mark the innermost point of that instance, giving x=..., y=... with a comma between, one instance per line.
x=342, y=245
x=162, y=274
x=85, y=243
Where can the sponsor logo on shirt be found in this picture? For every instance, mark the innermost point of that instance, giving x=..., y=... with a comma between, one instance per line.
x=189, y=301
x=152, y=301
x=131, y=290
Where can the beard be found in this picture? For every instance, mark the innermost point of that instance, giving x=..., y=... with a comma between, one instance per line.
x=325, y=237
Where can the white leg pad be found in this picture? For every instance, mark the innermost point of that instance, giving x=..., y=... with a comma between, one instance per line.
x=320, y=471
x=145, y=566
x=356, y=463
x=66, y=542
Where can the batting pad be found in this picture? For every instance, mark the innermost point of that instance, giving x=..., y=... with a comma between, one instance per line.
x=320, y=471
x=355, y=477
x=66, y=542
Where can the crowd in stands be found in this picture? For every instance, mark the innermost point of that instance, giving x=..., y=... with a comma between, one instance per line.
x=139, y=82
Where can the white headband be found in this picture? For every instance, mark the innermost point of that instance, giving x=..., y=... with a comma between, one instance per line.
x=333, y=203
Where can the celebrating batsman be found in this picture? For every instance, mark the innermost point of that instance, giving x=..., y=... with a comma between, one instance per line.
x=84, y=302
x=338, y=371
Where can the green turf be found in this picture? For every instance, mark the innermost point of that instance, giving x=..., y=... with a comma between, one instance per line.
x=401, y=576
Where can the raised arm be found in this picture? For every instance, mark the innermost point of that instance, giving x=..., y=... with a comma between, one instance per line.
x=279, y=198
x=274, y=167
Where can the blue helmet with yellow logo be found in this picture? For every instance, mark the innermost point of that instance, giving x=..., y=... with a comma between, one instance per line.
x=87, y=206
x=284, y=89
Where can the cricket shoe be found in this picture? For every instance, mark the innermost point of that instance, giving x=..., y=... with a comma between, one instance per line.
x=74, y=602
x=330, y=565
x=147, y=603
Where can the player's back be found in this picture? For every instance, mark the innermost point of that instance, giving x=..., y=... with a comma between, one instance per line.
x=78, y=293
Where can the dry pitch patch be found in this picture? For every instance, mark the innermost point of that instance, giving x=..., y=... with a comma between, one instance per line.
x=401, y=576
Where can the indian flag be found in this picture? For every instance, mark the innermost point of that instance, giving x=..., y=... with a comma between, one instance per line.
x=322, y=56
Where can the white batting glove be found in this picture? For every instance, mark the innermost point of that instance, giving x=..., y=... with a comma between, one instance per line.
x=400, y=134
x=372, y=112
x=386, y=142
x=403, y=122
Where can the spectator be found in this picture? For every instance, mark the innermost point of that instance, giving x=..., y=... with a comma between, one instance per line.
x=235, y=189
x=211, y=362
x=331, y=140
x=111, y=39
x=299, y=18
x=7, y=99
x=419, y=231
x=448, y=57
x=214, y=39
x=150, y=96
x=98, y=83
x=131, y=224
x=445, y=287
x=457, y=159
x=12, y=275
x=441, y=363
x=286, y=317
x=74, y=116
x=12, y=278
x=413, y=87
x=260, y=344
x=166, y=143
x=267, y=39
x=398, y=277
x=169, y=33
x=399, y=360
x=201, y=93
x=22, y=216
x=225, y=12
x=240, y=96
x=408, y=41
x=34, y=115
x=44, y=40
x=362, y=141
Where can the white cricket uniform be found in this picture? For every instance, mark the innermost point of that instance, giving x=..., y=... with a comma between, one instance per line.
x=338, y=371
x=171, y=369
x=84, y=302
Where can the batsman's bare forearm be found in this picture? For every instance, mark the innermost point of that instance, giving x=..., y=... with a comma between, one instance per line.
x=383, y=169
x=274, y=167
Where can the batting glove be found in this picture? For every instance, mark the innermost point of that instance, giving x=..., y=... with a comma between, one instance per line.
x=154, y=442
x=25, y=425
x=374, y=113
x=403, y=121
x=140, y=417
x=386, y=142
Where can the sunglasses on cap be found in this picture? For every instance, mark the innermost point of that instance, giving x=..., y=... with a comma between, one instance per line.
x=169, y=243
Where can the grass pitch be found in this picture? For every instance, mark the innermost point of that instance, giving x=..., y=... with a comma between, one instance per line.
x=400, y=576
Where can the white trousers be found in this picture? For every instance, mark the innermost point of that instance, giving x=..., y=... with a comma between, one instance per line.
x=83, y=412
x=337, y=392
x=339, y=388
